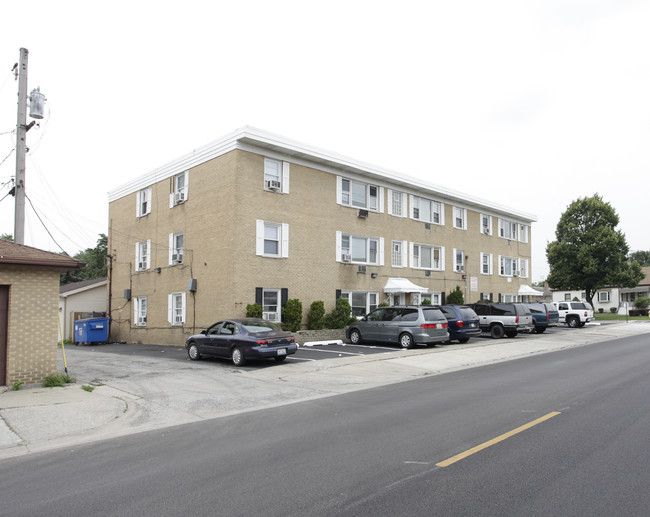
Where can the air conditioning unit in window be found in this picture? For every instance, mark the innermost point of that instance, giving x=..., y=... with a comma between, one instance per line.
x=486, y=231
x=363, y=213
x=270, y=316
x=179, y=197
x=361, y=269
x=177, y=258
x=178, y=319
x=460, y=269
x=142, y=265
x=427, y=273
x=427, y=226
x=142, y=321
x=515, y=274
x=273, y=184
x=345, y=257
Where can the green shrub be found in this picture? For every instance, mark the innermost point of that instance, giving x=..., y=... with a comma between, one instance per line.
x=57, y=380
x=16, y=385
x=642, y=302
x=340, y=317
x=316, y=315
x=613, y=310
x=254, y=310
x=456, y=297
x=601, y=310
x=426, y=301
x=292, y=315
x=384, y=304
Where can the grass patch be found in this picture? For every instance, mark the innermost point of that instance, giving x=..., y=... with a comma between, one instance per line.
x=87, y=388
x=16, y=385
x=620, y=317
x=58, y=380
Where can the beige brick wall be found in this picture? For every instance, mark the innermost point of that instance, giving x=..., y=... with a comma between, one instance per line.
x=225, y=198
x=33, y=323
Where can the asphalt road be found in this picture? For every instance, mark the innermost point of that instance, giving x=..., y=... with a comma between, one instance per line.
x=379, y=451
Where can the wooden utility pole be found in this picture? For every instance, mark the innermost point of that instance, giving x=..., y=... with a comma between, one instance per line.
x=21, y=149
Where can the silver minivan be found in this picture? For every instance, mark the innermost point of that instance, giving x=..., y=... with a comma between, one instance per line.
x=405, y=325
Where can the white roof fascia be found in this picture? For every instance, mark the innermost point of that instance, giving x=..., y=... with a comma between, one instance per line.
x=82, y=289
x=252, y=139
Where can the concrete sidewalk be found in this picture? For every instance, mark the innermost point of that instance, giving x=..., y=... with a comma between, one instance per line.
x=135, y=394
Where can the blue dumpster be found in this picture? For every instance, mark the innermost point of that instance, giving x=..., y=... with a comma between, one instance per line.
x=91, y=330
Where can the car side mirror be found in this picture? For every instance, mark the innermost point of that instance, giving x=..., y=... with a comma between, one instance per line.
x=204, y=332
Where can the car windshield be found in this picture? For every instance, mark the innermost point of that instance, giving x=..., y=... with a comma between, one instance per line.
x=257, y=326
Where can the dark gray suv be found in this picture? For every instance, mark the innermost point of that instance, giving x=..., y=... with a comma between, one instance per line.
x=405, y=325
x=501, y=319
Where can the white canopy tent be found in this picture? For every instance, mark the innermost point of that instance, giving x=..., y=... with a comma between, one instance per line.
x=526, y=290
x=403, y=285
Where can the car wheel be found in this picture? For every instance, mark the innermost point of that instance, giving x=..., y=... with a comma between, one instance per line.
x=539, y=330
x=355, y=337
x=280, y=358
x=511, y=333
x=497, y=332
x=463, y=340
x=238, y=358
x=583, y=323
x=573, y=322
x=193, y=352
x=406, y=340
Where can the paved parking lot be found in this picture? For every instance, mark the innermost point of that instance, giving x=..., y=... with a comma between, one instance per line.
x=305, y=353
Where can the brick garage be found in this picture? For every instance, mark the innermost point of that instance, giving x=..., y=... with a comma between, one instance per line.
x=29, y=297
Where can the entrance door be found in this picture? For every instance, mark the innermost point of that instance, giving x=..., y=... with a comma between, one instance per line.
x=398, y=299
x=4, y=326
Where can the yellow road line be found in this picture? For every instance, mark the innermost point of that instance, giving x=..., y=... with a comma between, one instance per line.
x=498, y=439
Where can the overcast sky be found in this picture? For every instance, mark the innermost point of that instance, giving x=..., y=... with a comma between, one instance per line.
x=530, y=104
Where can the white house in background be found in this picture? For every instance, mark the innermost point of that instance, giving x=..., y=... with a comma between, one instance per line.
x=87, y=299
x=609, y=297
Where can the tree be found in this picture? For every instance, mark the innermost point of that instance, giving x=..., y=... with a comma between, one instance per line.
x=642, y=257
x=589, y=253
x=95, y=259
x=7, y=237
x=456, y=297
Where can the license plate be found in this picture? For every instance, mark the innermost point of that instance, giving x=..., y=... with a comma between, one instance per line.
x=472, y=324
x=282, y=351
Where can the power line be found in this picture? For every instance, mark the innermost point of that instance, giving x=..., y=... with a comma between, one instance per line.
x=46, y=228
x=6, y=157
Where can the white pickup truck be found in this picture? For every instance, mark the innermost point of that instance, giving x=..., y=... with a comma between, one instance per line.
x=574, y=314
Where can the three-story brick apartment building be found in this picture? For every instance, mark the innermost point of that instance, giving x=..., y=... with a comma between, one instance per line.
x=255, y=217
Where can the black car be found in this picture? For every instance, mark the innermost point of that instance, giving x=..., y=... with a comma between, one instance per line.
x=463, y=322
x=242, y=339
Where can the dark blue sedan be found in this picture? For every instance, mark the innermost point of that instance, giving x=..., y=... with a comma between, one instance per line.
x=242, y=339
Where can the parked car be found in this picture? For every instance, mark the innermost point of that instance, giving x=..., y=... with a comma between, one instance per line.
x=405, y=325
x=242, y=339
x=575, y=314
x=544, y=315
x=501, y=319
x=462, y=320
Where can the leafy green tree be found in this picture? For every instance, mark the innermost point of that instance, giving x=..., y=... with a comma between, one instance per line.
x=456, y=297
x=642, y=257
x=589, y=253
x=642, y=302
x=95, y=260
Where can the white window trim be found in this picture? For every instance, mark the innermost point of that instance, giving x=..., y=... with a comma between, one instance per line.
x=489, y=226
x=380, y=195
x=412, y=203
x=138, y=255
x=259, y=239
x=142, y=196
x=284, y=173
x=456, y=264
x=412, y=264
x=172, y=247
x=523, y=233
x=173, y=200
x=463, y=213
x=516, y=269
x=490, y=263
x=604, y=296
x=278, y=313
x=380, y=249
x=138, y=320
x=404, y=196
x=170, y=308
x=403, y=253
x=369, y=306
x=511, y=225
